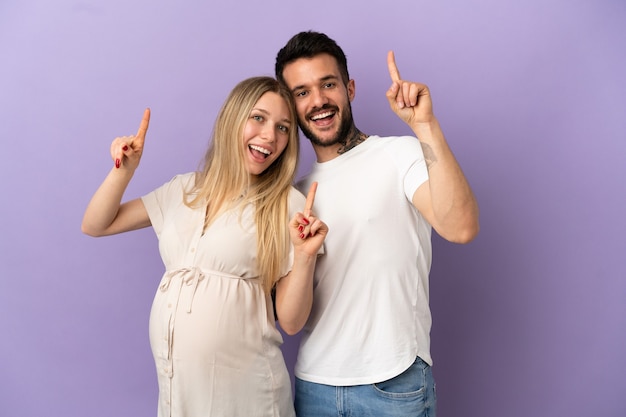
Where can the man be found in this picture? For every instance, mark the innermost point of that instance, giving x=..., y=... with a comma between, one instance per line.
x=365, y=349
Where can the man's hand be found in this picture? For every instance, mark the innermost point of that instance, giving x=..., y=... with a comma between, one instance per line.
x=409, y=100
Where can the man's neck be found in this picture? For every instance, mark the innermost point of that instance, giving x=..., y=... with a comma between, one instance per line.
x=353, y=138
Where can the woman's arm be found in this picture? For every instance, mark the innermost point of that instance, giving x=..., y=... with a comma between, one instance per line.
x=105, y=215
x=294, y=292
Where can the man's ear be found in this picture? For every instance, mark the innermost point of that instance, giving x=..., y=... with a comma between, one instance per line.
x=351, y=89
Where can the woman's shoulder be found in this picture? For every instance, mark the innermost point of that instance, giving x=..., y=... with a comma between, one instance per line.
x=179, y=182
x=296, y=200
x=186, y=178
x=185, y=181
x=296, y=195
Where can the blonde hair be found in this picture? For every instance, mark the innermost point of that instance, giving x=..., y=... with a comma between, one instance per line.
x=225, y=177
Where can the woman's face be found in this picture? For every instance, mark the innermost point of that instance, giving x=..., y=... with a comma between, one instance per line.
x=266, y=132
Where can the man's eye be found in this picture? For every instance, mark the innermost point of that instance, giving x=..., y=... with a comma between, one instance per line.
x=329, y=85
x=301, y=93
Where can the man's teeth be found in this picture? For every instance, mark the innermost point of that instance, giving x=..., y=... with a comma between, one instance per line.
x=322, y=115
x=262, y=150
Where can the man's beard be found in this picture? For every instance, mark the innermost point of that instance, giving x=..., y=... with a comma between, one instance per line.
x=345, y=126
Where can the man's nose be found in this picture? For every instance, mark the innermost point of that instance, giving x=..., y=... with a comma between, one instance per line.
x=318, y=98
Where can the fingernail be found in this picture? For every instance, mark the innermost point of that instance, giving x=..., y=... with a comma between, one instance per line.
x=300, y=228
x=125, y=148
x=118, y=163
x=301, y=235
x=304, y=219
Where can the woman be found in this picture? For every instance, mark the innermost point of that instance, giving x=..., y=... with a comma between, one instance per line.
x=226, y=239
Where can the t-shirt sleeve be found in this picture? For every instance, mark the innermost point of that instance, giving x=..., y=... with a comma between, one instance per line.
x=159, y=201
x=409, y=157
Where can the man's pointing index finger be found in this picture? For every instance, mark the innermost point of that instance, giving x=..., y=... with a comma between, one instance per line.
x=394, y=73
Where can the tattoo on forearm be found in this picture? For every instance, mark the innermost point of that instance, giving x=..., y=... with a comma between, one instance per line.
x=429, y=155
x=352, y=139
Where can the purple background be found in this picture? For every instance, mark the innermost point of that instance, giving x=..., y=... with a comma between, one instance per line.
x=529, y=319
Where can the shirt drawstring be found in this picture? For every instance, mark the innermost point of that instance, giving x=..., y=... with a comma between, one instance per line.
x=189, y=276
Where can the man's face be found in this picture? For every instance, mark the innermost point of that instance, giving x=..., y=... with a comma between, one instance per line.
x=322, y=99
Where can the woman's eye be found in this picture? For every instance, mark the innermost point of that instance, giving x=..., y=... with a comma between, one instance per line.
x=257, y=118
x=284, y=129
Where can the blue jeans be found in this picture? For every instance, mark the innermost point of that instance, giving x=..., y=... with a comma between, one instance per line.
x=410, y=394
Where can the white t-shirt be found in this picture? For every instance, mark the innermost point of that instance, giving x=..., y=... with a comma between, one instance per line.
x=370, y=316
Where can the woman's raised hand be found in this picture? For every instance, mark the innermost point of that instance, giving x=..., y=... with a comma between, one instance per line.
x=126, y=150
x=307, y=231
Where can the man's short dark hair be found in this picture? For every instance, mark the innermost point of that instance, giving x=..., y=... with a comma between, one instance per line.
x=307, y=45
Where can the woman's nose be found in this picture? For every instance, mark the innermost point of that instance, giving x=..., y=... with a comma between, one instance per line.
x=267, y=133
